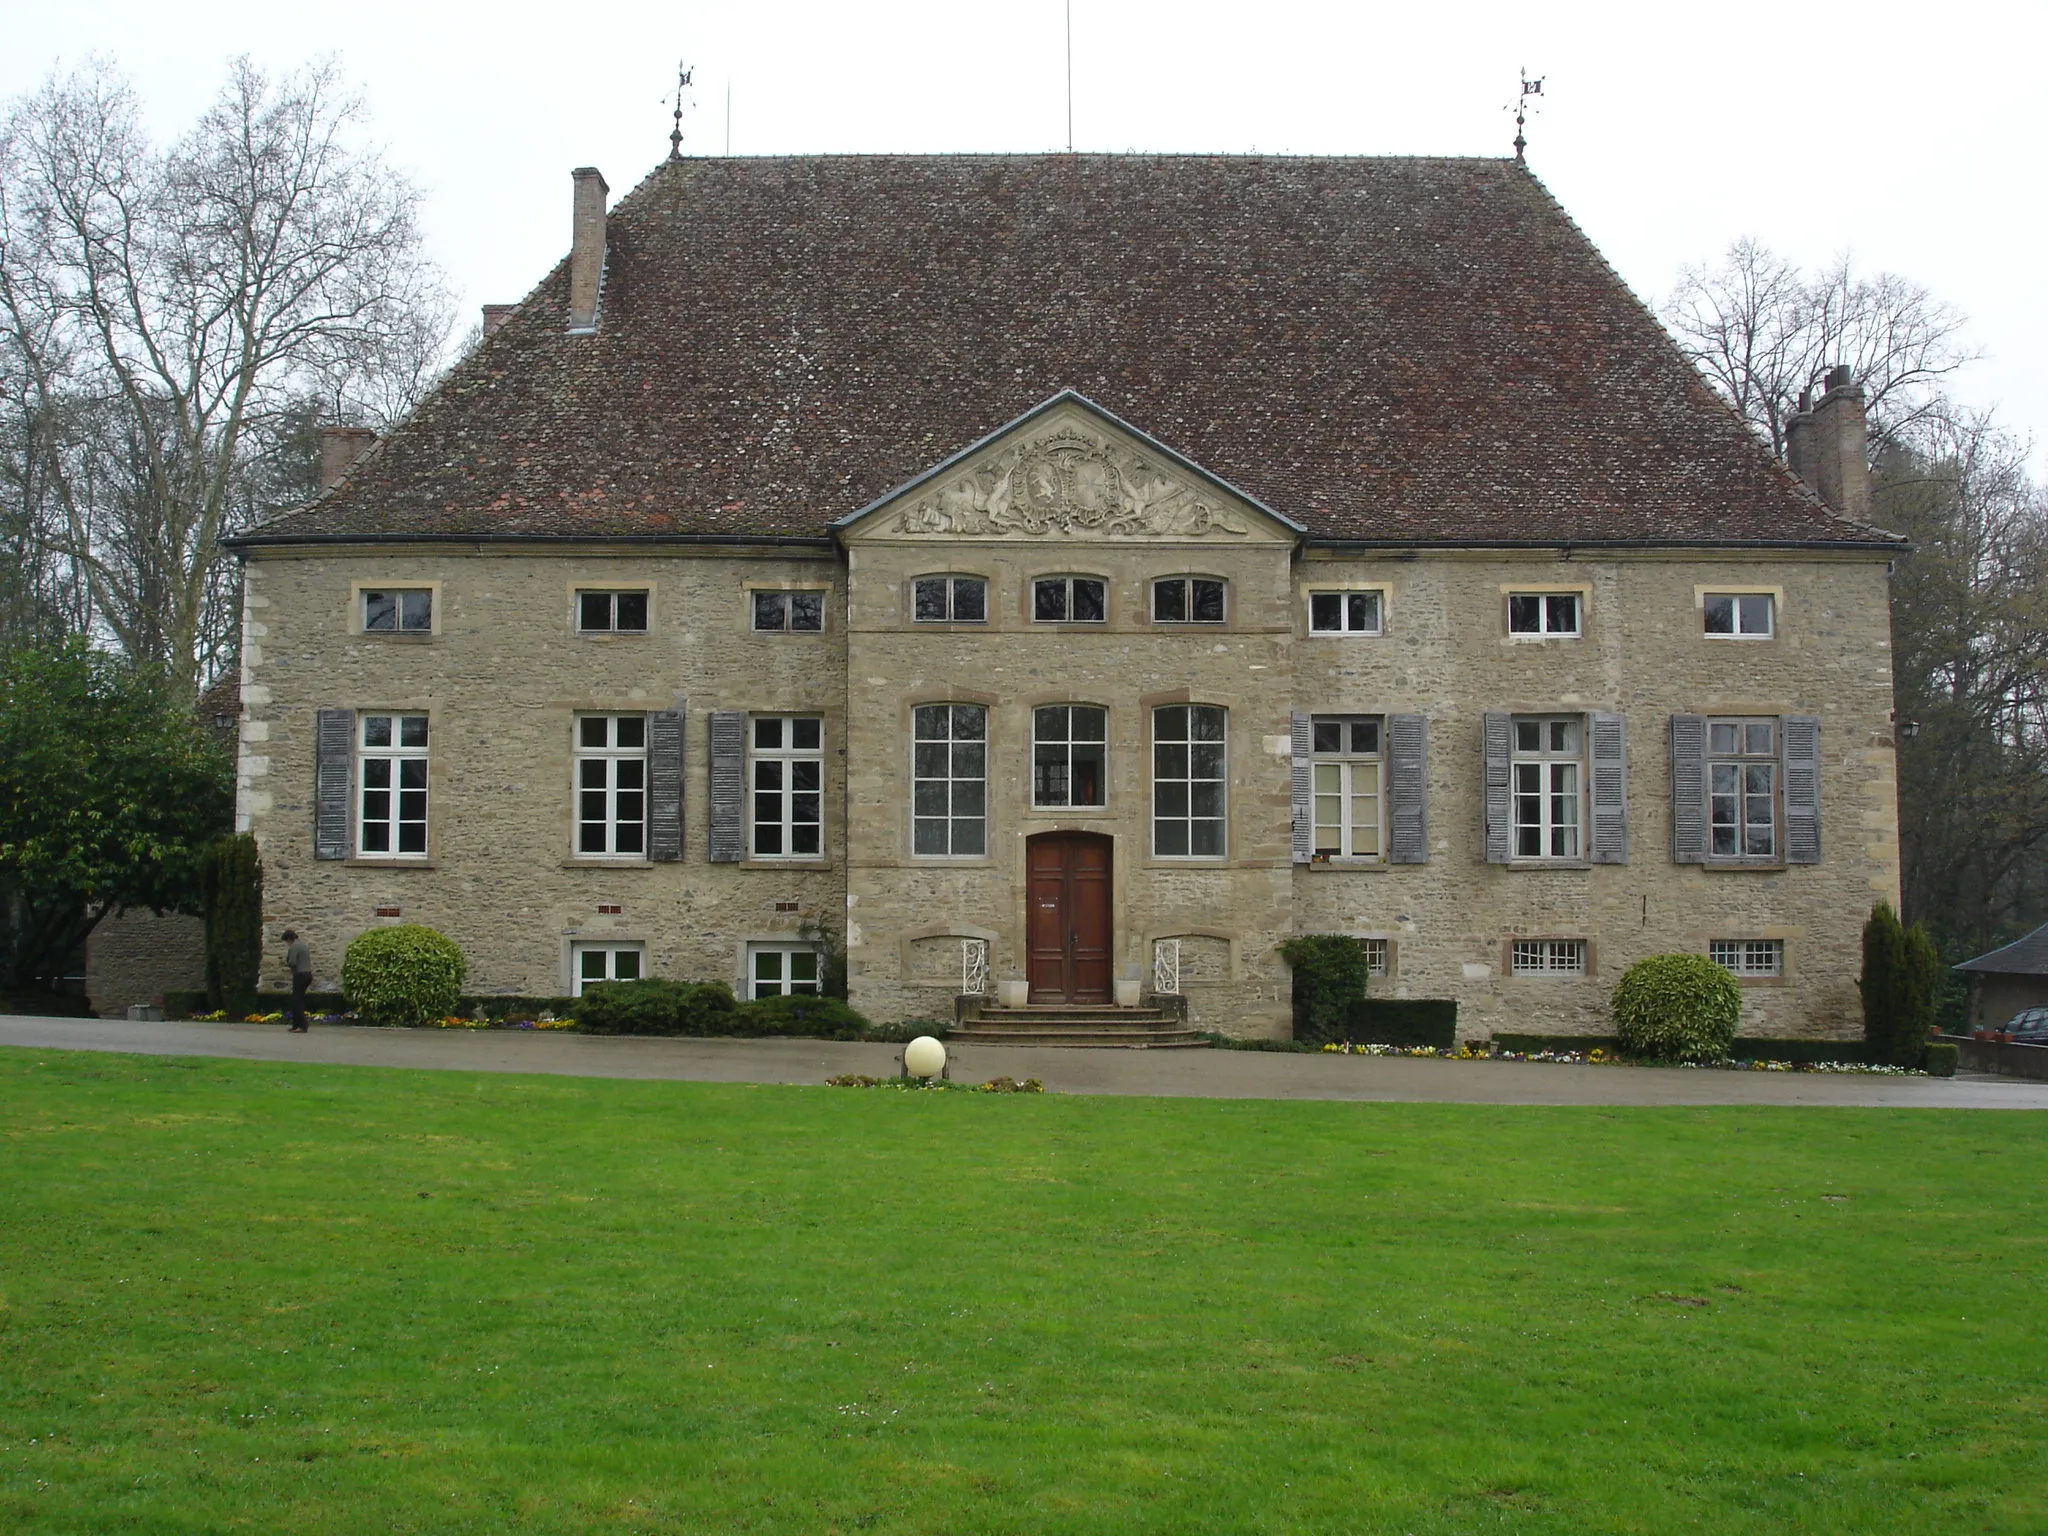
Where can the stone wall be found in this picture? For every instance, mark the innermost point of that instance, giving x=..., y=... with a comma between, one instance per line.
x=137, y=956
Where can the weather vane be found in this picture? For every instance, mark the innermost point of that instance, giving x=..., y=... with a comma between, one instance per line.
x=675, y=134
x=1529, y=88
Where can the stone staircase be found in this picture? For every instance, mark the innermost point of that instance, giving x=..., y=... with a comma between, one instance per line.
x=1101, y=1026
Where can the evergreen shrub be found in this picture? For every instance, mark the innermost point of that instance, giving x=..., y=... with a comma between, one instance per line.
x=1940, y=1058
x=407, y=976
x=1330, y=977
x=1404, y=1021
x=1901, y=986
x=820, y=1018
x=655, y=1007
x=231, y=897
x=1678, y=1008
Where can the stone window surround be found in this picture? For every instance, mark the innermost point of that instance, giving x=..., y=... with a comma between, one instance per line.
x=1510, y=589
x=1197, y=625
x=908, y=597
x=1704, y=590
x=1028, y=595
x=577, y=588
x=1151, y=708
x=573, y=944
x=436, y=787
x=750, y=586
x=1786, y=940
x=911, y=737
x=785, y=944
x=1507, y=957
x=354, y=621
x=1309, y=586
x=1392, y=952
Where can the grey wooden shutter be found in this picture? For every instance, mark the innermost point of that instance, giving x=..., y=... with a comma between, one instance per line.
x=728, y=787
x=1407, y=789
x=1801, y=737
x=1609, y=754
x=1497, y=738
x=665, y=785
x=1303, y=830
x=1688, y=789
x=334, y=744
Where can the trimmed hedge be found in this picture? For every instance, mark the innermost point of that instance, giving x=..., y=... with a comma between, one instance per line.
x=656, y=1007
x=409, y=974
x=1741, y=1048
x=817, y=1018
x=1403, y=1021
x=231, y=893
x=1901, y=986
x=1330, y=974
x=1941, y=1059
x=1677, y=1007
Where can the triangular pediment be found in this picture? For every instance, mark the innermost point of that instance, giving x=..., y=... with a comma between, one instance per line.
x=1069, y=471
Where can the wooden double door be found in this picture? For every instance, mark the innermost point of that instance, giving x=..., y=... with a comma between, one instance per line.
x=1067, y=917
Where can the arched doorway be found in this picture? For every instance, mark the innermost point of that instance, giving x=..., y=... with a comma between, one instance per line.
x=1068, y=926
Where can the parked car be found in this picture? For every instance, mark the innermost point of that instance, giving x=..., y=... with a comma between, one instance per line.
x=2029, y=1026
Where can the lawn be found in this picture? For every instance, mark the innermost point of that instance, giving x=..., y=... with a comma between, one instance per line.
x=324, y=1299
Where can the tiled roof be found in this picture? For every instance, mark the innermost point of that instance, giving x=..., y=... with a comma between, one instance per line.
x=1409, y=350
x=2022, y=957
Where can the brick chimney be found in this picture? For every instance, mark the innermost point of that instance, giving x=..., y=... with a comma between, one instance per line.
x=586, y=250
x=341, y=447
x=1827, y=444
x=496, y=315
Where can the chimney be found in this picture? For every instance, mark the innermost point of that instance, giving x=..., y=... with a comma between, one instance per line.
x=1827, y=444
x=496, y=315
x=586, y=250
x=341, y=447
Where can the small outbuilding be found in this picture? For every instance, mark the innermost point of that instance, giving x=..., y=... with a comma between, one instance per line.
x=2007, y=980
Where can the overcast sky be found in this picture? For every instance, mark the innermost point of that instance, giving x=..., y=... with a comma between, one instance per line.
x=1902, y=134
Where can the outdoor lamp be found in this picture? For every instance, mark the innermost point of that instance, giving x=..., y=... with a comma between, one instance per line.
x=924, y=1057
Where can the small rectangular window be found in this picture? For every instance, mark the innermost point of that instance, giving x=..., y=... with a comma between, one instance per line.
x=1548, y=957
x=950, y=600
x=611, y=785
x=1188, y=781
x=1069, y=755
x=1344, y=786
x=399, y=611
x=593, y=963
x=1546, y=780
x=781, y=970
x=787, y=773
x=1742, y=785
x=1343, y=613
x=1376, y=952
x=1749, y=957
x=1069, y=600
x=949, y=780
x=1543, y=613
x=391, y=775
x=800, y=611
x=1739, y=615
x=611, y=613
x=1187, y=600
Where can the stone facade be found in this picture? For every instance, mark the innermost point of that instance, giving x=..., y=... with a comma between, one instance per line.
x=138, y=955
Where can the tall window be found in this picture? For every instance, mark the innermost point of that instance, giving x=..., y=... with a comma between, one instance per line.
x=607, y=962
x=1740, y=615
x=1543, y=613
x=402, y=610
x=392, y=770
x=611, y=784
x=781, y=970
x=614, y=613
x=1069, y=600
x=1345, y=781
x=1547, y=776
x=950, y=600
x=788, y=770
x=1069, y=755
x=949, y=780
x=803, y=612
x=1187, y=600
x=1343, y=613
x=1187, y=781
x=1742, y=764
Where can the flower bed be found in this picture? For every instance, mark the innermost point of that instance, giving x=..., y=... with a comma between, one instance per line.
x=1600, y=1057
x=935, y=1084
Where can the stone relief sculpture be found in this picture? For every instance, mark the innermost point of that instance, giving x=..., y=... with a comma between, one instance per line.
x=1066, y=482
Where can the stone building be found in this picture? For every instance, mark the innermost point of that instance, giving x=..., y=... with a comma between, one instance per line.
x=1084, y=572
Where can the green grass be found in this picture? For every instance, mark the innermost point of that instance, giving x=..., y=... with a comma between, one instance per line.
x=318, y=1299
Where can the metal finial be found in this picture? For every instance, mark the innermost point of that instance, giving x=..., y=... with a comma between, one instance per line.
x=675, y=134
x=1529, y=88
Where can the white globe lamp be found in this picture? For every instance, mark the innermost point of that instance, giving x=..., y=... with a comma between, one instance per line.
x=924, y=1057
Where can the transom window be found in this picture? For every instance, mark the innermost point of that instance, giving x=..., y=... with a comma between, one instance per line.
x=1069, y=755
x=1546, y=777
x=1069, y=600
x=1749, y=957
x=1187, y=600
x=616, y=613
x=1740, y=615
x=949, y=780
x=781, y=970
x=1188, y=781
x=801, y=612
x=391, y=769
x=1343, y=613
x=399, y=610
x=1548, y=957
x=1344, y=780
x=950, y=600
x=611, y=784
x=594, y=963
x=1543, y=613
x=788, y=776
x=1742, y=801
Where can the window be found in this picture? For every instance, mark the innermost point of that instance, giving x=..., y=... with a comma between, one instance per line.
x=803, y=612
x=1069, y=600
x=1344, y=781
x=1377, y=953
x=1343, y=613
x=780, y=970
x=1187, y=600
x=1742, y=806
x=1543, y=613
x=949, y=780
x=611, y=784
x=950, y=600
x=611, y=613
x=1187, y=781
x=1740, y=615
x=606, y=962
x=789, y=786
x=392, y=773
x=1548, y=957
x=399, y=610
x=1069, y=755
x=1749, y=957
x=1545, y=774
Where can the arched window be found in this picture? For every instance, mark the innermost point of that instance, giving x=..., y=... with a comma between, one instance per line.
x=1188, y=768
x=1069, y=755
x=949, y=780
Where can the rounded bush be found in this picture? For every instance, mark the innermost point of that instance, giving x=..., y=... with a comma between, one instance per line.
x=1677, y=1007
x=818, y=1018
x=408, y=975
x=656, y=1007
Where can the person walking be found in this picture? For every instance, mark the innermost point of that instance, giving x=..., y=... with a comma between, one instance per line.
x=298, y=959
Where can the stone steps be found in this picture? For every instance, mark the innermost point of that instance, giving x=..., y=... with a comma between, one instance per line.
x=1084, y=1025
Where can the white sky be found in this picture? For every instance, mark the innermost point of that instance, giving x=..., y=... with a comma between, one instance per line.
x=1901, y=133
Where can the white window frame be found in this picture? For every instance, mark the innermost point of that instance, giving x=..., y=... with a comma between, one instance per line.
x=1379, y=956
x=1351, y=768
x=961, y=791
x=1189, y=582
x=611, y=780
x=1164, y=785
x=954, y=582
x=1544, y=598
x=1737, y=769
x=1547, y=957
x=1063, y=748
x=400, y=592
x=1749, y=959
x=611, y=595
x=1550, y=779
x=792, y=958
x=1737, y=599
x=1345, y=599
x=786, y=600
x=609, y=951
x=394, y=763
x=783, y=764
x=1066, y=585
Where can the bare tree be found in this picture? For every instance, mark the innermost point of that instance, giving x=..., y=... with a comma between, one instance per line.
x=168, y=317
